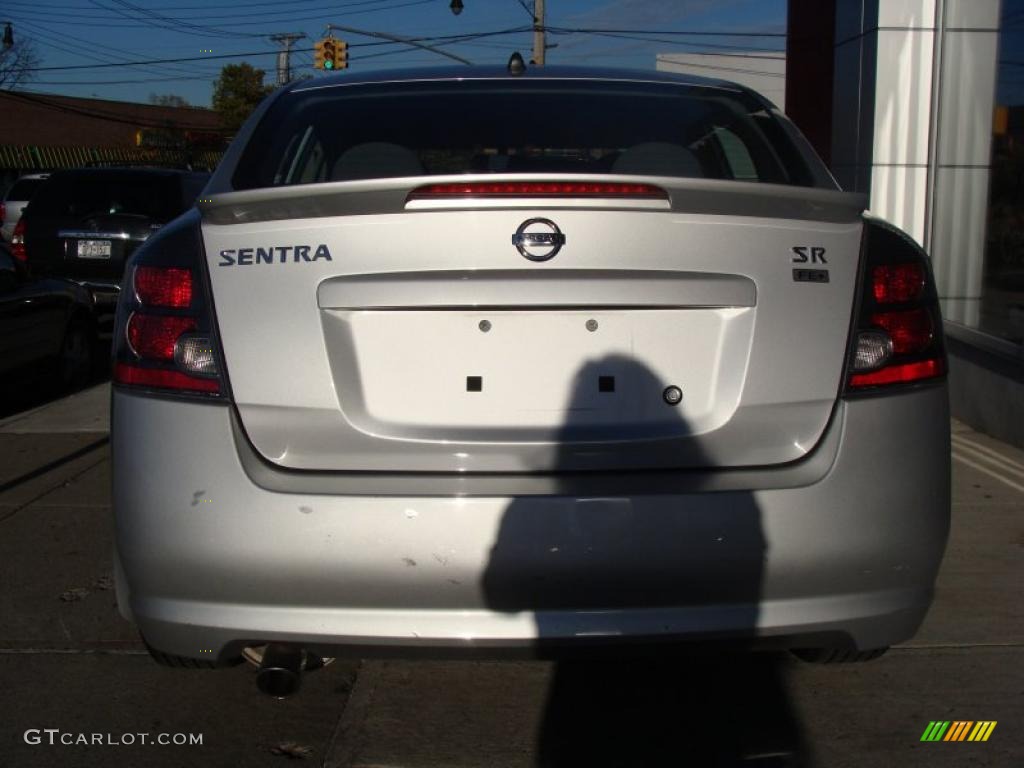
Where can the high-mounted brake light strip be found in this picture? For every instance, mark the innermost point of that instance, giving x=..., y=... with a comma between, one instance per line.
x=505, y=189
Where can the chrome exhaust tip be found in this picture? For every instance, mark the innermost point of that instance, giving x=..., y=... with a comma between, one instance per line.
x=280, y=671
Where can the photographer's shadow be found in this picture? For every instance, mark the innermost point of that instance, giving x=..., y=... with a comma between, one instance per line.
x=594, y=563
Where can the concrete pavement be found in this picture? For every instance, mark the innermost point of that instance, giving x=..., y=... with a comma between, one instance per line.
x=67, y=658
x=68, y=661
x=84, y=412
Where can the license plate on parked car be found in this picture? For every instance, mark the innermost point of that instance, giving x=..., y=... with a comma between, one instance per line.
x=94, y=249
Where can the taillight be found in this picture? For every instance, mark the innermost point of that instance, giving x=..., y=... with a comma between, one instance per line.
x=164, y=337
x=898, y=332
x=153, y=337
x=163, y=286
x=3, y=212
x=901, y=373
x=911, y=330
x=896, y=283
x=157, y=378
x=18, y=241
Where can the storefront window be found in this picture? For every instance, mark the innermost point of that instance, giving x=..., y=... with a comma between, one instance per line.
x=1002, y=304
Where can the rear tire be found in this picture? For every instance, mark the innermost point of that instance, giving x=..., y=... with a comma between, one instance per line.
x=836, y=655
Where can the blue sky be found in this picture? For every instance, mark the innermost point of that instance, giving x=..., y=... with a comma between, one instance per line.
x=76, y=33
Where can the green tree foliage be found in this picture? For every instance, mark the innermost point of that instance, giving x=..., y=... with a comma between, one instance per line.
x=237, y=92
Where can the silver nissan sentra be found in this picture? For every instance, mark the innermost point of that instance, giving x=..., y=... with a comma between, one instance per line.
x=526, y=361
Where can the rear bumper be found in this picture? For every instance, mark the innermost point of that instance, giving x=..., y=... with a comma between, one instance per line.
x=209, y=558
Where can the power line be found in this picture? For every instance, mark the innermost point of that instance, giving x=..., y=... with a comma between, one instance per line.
x=741, y=70
x=397, y=39
x=476, y=44
x=235, y=7
x=163, y=22
x=154, y=61
x=196, y=74
x=439, y=41
x=526, y=8
x=173, y=79
x=178, y=25
x=277, y=16
x=694, y=32
x=443, y=39
x=47, y=36
x=720, y=46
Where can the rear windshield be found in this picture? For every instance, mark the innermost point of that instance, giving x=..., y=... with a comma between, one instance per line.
x=24, y=189
x=499, y=126
x=86, y=194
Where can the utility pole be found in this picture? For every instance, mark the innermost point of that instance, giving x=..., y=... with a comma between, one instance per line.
x=539, y=42
x=284, y=71
x=540, y=45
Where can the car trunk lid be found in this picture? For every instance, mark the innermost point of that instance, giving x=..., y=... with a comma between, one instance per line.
x=412, y=337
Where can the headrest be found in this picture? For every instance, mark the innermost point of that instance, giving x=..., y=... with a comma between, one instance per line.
x=658, y=158
x=376, y=159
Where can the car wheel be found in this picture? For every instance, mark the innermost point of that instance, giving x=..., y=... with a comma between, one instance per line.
x=836, y=655
x=77, y=356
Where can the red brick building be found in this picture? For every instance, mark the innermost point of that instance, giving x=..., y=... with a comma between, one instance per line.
x=40, y=132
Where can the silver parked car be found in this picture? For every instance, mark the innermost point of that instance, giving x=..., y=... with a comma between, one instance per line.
x=484, y=359
x=15, y=200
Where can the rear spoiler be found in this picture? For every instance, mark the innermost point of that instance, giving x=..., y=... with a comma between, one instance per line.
x=382, y=196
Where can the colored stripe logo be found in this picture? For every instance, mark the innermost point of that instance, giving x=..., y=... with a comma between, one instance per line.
x=958, y=730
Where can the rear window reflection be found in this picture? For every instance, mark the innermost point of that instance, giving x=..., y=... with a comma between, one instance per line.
x=368, y=131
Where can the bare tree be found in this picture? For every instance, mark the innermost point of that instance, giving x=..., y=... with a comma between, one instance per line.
x=167, y=100
x=18, y=64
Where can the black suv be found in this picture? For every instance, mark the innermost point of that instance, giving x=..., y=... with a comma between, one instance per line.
x=84, y=224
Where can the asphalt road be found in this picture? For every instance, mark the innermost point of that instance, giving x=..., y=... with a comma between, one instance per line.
x=69, y=662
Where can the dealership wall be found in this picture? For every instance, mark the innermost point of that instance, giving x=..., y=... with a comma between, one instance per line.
x=917, y=77
x=912, y=93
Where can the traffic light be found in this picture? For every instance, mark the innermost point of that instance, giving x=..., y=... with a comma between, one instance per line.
x=321, y=59
x=330, y=54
